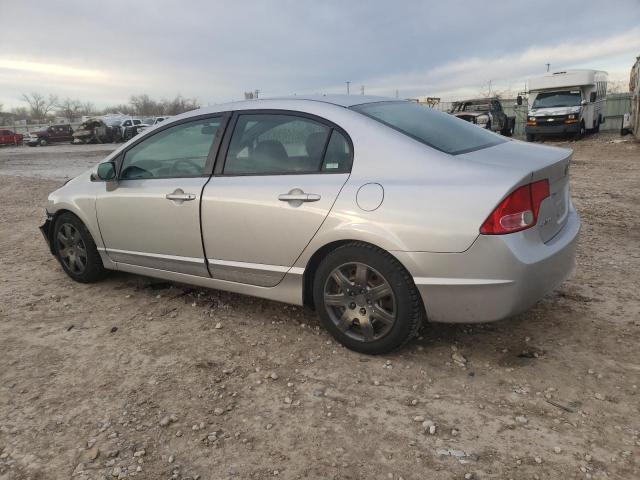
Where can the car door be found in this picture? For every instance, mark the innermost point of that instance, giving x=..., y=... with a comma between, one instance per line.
x=276, y=179
x=150, y=216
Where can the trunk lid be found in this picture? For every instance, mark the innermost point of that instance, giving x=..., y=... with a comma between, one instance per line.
x=535, y=162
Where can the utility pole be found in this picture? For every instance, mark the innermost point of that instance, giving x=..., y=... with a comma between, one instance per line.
x=397, y=93
x=362, y=90
x=548, y=65
x=348, y=83
x=257, y=92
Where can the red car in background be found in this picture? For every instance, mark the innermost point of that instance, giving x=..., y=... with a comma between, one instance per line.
x=7, y=137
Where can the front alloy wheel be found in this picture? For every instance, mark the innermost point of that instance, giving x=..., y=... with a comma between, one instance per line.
x=75, y=249
x=71, y=249
x=360, y=302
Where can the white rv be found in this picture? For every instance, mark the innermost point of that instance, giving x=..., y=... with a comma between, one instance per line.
x=566, y=102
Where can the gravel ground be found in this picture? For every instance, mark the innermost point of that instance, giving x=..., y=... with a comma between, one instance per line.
x=133, y=377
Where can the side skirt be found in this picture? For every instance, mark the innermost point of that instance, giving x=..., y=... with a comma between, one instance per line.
x=289, y=290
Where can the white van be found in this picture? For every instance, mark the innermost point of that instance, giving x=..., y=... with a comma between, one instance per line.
x=566, y=102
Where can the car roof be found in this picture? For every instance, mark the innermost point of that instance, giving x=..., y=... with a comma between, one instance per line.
x=340, y=100
x=345, y=101
x=477, y=100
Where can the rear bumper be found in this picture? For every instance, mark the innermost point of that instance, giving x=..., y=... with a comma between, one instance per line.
x=552, y=129
x=498, y=277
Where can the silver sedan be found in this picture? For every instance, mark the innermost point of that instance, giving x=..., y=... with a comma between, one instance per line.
x=379, y=214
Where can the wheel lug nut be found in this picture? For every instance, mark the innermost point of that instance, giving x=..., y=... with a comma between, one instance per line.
x=352, y=305
x=363, y=311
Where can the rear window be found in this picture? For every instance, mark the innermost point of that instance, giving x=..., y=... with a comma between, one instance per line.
x=439, y=130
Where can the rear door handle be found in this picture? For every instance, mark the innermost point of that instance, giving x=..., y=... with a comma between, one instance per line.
x=299, y=197
x=179, y=195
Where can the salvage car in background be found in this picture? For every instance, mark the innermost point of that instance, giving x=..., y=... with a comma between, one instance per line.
x=52, y=134
x=486, y=113
x=94, y=130
x=7, y=137
x=381, y=214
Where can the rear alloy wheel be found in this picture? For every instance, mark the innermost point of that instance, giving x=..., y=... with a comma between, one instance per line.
x=366, y=299
x=75, y=250
x=43, y=142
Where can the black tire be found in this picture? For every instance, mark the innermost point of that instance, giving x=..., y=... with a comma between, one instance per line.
x=531, y=137
x=69, y=246
x=382, y=269
x=580, y=133
x=42, y=142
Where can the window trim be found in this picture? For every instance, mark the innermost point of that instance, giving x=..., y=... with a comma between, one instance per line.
x=211, y=157
x=221, y=157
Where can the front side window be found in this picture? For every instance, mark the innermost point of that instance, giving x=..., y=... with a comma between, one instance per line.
x=439, y=130
x=271, y=144
x=178, y=151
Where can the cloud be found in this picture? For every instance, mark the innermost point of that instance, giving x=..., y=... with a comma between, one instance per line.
x=56, y=70
x=216, y=50
x=451, y=77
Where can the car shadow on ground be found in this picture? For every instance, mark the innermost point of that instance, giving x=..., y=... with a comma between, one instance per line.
x=512, y=342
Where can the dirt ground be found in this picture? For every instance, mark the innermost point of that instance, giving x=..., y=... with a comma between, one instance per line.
x=136, y=377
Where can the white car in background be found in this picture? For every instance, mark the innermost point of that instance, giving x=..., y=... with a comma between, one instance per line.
x=151, y=122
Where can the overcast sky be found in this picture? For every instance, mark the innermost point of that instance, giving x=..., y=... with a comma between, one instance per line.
x=213, y=50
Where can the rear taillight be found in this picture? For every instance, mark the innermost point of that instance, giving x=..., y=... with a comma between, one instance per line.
x=518, y=211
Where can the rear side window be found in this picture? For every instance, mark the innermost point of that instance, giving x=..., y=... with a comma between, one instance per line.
x=280, y=144
x=439, y=130
x=338, y=155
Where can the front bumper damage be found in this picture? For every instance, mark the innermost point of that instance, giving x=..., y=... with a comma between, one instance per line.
x=46, y=229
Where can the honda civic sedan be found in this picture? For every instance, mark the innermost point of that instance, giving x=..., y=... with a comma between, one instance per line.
x=379, y=214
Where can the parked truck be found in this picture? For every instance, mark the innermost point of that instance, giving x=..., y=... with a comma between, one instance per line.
x=486, y=113
x=52, y=134
x=566, y=102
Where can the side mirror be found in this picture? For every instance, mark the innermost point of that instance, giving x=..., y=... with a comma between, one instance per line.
x=106, y=171
x=583, y=102
x=519, y=100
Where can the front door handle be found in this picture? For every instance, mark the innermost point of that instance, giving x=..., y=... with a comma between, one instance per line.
x=299, y=197
x=178, y=195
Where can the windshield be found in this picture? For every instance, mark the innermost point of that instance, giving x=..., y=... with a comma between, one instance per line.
x=439, y=130
x=558, y=99
x=148, y=121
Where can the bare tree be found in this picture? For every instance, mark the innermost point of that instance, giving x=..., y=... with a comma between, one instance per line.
x=179, y=105
x=1, y=105
x=21, y=113
x=143, y=105
x=39, y=105
x=87, y=108
x=68, y=108
x=618, y=86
